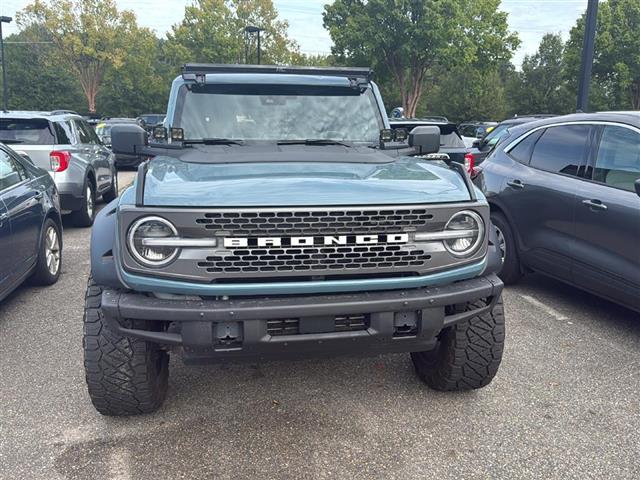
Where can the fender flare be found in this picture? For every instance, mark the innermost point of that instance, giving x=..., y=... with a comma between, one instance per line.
x=494, y=260
x=103, y=242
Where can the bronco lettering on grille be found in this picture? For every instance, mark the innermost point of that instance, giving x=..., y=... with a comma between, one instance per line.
x=329, y=240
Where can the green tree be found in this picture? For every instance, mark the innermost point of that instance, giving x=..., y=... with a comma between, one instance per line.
x=616, y=67
x=141, y=84
x=88, y=36
x=212, y=31
x=479, y=95
x=36, y=81
x=541, y=87
x=410, y=42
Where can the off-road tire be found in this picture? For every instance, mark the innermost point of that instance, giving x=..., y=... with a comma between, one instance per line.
x=125, y=376
x=81, y=217
x=511, y=270
x=112, y=193
x=468, y=353
x=41, y=273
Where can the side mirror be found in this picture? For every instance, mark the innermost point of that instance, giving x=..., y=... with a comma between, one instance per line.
x=476, y=143
x=129, y=139
x=637, y=185
x=425, y=139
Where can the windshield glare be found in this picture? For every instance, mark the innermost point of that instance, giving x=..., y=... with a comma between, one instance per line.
x=282, y=112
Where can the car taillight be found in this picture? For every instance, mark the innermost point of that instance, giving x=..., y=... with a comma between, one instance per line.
x=469, y=163
x=59, y=160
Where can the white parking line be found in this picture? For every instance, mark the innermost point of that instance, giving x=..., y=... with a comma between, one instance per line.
x=546, y=308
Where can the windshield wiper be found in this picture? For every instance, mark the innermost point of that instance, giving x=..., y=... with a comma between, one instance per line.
x=313, y=141
x=216, y=141
x=8, y=141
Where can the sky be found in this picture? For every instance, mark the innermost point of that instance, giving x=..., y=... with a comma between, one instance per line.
x=531, y=18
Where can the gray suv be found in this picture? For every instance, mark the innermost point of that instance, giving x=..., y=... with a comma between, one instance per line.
x=563, y=194
x=63, y=144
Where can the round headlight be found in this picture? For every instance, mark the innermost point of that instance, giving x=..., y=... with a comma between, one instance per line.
x=470, y=227
x=141, y=236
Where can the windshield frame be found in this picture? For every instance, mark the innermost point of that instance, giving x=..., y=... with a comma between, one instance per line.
x=368, y=91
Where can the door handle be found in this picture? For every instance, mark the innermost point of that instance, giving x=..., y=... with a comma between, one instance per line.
x=516, y=184
x=594, y=204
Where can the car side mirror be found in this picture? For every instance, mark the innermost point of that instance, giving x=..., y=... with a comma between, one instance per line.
x=425, y=139
x=637, y=185
x=476, y=143
x=129, y=139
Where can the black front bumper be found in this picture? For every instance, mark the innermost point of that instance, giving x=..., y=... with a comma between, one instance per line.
x=394, y=321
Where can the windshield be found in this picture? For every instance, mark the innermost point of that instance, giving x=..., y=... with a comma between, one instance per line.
x=495, y=135
x=278, y=112
x=27, y=131
x=103, y=130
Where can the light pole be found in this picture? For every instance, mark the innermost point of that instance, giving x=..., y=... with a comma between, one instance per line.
x=5, y=91
x=250, y=30
x=587, y=55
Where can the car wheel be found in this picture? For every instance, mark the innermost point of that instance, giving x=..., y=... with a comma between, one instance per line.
x=511, y=271
x=112, y=193
x=468, y=353
x=125, y=376
x=85, y=215
x=49, y=262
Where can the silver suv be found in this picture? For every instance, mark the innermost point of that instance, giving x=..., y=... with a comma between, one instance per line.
x=62, y=143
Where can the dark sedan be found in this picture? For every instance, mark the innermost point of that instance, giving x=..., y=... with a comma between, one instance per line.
x=565, y=196
x=30, y=224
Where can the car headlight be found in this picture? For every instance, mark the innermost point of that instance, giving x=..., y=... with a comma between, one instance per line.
x=141, y=243
x=470, y=228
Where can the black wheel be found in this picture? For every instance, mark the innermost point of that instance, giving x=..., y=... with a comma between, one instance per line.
x=85, y=215
x=467, y=355
x=125, y=376
x=112, y=193
x=49, y=263
x=511, y=270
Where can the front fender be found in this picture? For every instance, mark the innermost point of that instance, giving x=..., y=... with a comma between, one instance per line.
x=103, y=241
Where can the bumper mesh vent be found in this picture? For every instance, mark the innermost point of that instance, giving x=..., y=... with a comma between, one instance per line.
x=314, y=259
x=351, y=323
x=288, y=326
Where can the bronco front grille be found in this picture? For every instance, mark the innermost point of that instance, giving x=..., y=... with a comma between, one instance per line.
x=312, y=222
x=314, y=259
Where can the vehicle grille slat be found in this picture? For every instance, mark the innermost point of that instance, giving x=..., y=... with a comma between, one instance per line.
x=312, y=222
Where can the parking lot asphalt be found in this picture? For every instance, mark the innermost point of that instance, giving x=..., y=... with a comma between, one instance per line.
x=565, y=403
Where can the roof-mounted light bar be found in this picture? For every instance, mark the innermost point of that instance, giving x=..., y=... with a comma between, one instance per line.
x=197, y=71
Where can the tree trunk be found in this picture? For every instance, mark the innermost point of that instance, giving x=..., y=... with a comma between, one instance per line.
x=635, y=96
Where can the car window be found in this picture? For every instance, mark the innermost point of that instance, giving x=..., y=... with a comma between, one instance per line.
x=495, y=135
x=27, y=131
x=522, y=151
x=561, y=149
x=11, y=172
x=618, y=160
x=62, y=135
x=86, y=134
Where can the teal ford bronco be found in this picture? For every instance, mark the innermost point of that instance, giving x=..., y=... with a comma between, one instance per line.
x=280, y=217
